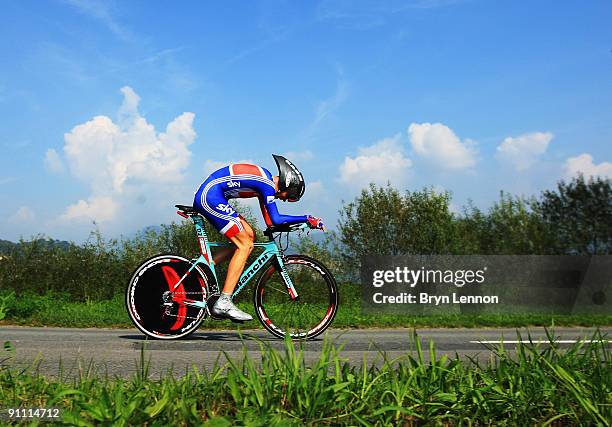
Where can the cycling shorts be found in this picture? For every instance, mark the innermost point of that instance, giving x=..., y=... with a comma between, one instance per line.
x=215, y=207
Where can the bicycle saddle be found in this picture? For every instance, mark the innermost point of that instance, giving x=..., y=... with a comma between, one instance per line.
x=189, y=210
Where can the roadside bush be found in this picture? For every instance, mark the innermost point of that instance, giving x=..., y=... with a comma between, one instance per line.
x=383, y=221
x=579, y=215
x=26, y=304
x=512, y=226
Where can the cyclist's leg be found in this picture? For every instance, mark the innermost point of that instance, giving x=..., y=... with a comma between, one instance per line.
x=225, y=253
x=244, y=246
x=243, y=241
x=215, y=207
x=224, y=306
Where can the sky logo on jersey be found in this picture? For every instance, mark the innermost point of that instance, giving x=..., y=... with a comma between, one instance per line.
x=233, y=184
x=225, y=208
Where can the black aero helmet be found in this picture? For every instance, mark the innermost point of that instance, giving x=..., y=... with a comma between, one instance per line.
x=290, y=179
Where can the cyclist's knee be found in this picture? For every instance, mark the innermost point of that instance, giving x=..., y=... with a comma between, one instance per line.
x=244, y=241
x=247, y=228
x=248, y=244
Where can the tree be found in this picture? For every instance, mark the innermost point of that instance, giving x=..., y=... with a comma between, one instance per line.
x=579, y=215
x=382, y=221
x=511, y=226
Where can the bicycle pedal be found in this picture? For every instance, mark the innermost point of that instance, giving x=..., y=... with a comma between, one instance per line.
x=237, y=321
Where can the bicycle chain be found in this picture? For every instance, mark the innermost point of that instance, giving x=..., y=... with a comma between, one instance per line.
x=187, y=293
x=184, y=317
x=168, y=314
x=184, y=293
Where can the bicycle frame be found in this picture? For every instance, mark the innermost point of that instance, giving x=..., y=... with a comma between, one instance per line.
x=271, y=252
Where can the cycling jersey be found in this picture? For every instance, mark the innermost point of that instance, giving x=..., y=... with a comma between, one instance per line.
x=240, y=180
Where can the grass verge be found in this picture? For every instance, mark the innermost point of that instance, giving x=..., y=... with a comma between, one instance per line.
x=56, y=309
x=540, y=385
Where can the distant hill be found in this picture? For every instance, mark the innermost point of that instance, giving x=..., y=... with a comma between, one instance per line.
x=8, y=246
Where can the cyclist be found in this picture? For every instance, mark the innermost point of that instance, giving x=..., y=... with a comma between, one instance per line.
x=243, y=180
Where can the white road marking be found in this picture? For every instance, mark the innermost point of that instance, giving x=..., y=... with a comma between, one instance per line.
x=536, y=341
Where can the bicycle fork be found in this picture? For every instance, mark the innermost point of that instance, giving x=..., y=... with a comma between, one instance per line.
x=285, y=275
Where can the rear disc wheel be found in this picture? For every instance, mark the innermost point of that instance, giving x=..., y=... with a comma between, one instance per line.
x=157, y=307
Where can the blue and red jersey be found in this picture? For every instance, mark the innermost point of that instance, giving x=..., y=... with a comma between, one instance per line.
x=239, y=180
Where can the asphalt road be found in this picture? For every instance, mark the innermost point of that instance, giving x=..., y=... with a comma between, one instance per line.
x=118, y=351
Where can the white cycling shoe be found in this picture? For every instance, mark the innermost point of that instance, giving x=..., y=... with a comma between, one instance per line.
x=224, y=307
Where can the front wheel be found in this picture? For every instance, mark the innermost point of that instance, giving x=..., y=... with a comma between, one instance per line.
x=157, y=306
x=303, y=317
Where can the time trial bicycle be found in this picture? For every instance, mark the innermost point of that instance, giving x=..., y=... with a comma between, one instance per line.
x=169, y=296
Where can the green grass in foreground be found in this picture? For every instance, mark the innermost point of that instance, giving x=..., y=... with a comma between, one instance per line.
x=59, y=310
x=541, y=385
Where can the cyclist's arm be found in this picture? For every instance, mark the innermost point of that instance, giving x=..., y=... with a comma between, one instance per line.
x=273, y=217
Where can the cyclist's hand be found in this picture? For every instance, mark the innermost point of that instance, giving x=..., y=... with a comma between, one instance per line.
x=314, y=222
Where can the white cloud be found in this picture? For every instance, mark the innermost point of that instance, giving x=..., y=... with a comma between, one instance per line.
x=101, y=209
x=23, y=214
x=439, y=144
x=105, y=154
x=53, y=163
x=523, y=151
x=120, y=159
x=378, y=163
x=129, y=107
x=584, y=164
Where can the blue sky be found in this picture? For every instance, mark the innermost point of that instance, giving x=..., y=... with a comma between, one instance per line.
x=115, y=111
